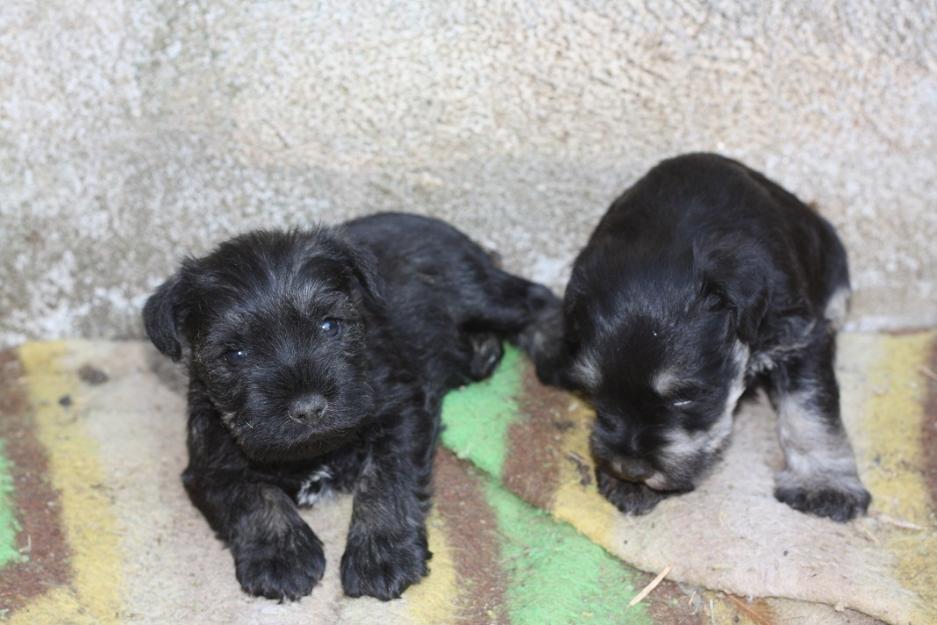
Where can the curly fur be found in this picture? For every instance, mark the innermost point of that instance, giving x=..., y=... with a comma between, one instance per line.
x=318, y=360
x=702, y=280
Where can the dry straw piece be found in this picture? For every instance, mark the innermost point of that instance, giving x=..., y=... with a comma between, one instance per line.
x=647, y=589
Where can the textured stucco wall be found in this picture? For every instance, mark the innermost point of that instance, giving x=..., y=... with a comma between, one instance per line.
x=132, y=133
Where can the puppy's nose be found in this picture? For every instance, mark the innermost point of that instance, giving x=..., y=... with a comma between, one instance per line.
x=632, y=469
x=308, y=407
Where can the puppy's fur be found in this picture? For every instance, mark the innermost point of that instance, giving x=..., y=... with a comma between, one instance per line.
x=703, y=280
x=318, y=360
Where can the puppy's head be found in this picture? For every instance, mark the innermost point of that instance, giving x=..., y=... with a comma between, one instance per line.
x=275, y=326
x=664, y=370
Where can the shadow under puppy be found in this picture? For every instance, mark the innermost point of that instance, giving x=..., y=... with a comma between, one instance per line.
x=318, y=360
x=702, y=280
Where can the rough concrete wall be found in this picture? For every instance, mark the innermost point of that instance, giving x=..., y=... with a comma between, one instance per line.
x=132, y=133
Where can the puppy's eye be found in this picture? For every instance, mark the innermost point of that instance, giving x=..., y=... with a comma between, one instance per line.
x=329, y=326
x=235, y=356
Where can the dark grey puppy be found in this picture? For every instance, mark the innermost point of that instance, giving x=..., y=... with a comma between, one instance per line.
x=702, y=280
x=318, y=360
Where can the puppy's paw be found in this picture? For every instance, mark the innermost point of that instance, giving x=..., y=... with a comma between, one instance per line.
x=383, y=565
x=486, y=353
x=629, y=497
x=840, y=499
x=285, y=567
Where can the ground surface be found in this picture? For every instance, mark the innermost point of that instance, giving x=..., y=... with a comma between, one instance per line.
x=95, y=527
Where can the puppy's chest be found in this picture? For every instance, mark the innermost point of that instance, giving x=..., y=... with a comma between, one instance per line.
x=315, y=486
x=336, y=474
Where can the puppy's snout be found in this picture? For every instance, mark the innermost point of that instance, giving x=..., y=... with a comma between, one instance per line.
x=632, y=469
x=308, y=407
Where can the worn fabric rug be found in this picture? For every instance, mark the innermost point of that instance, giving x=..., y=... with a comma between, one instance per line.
x=730, y=534
x=96, y=528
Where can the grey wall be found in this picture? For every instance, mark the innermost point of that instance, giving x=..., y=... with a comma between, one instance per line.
x=132, y=133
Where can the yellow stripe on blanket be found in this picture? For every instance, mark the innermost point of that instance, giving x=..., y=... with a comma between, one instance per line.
x=431, y=601
x=571, y=501
x=891, y=413
x=91, y=529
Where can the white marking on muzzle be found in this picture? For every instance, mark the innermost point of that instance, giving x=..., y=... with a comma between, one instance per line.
x=683, y=446
x=586, y=371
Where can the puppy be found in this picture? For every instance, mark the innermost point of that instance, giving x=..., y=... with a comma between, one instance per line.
x=703, y=280
x=318, y=360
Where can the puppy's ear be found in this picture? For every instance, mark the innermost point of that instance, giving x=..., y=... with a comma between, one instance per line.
x=364, y=270
x=162, y=316
x=746, y=301
x=733, y=281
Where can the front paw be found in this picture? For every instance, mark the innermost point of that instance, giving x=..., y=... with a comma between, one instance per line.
x=629, y=497
x=384, y=564
x=838, y=498
x=287, y=566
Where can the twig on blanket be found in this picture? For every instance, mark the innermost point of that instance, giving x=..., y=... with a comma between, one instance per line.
x=867, y=533
x=647, y=589
x=752, y=612
x=908, y=525
x=928, y=372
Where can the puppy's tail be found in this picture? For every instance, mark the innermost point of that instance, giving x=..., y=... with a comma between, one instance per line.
x=543, y=319
x=542, y=339
x=528, y=315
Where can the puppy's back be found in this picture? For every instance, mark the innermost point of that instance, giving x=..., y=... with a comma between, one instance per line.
x=699, y=200
x=415, y=239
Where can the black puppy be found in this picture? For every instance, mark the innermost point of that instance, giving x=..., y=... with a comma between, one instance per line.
x=702, y=280
x=318, y=360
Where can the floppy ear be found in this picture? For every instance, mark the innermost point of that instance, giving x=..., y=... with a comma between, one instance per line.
x=162, y=317
x=364, y=269
x=746, y=301
x=329, y=251
x=732, y=280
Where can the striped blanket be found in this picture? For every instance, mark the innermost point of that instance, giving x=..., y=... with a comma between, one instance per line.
x=95, y=527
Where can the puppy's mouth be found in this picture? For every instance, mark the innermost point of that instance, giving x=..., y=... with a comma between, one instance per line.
x=657, y=480
x=301, y=444
x=660, y=482
x=244, y=427
x=302, y=422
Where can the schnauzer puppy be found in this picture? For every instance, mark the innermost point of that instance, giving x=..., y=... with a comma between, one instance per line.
x=318, y=360
x=702, y=280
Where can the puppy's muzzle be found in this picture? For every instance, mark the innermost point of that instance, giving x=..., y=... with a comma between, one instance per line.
x=631, y=469
x=308, y=408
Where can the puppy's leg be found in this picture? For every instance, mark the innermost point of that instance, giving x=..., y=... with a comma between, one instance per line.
x=387, y=548
x=276, y=555
x=820, y=475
